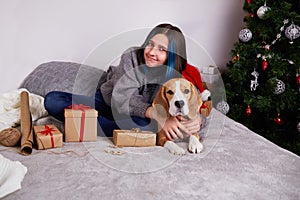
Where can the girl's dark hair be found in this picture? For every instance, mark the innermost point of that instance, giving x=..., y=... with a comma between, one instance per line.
x=176, y=59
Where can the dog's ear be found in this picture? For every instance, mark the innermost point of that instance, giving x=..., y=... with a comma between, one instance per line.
x=160, y=102
x=195, y=102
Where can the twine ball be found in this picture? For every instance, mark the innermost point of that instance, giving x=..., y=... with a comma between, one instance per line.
x=10, y=137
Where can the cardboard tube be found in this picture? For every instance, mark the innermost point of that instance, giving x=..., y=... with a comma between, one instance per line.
x=26, y=125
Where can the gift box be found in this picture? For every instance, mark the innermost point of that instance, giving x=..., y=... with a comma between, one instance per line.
x=47, y=136
x=80, y=123
x=206, y=108
x=210, y=69
x=134, y=138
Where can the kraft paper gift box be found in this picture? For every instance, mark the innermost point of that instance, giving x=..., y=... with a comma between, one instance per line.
x=47, y=136
x=210, y=69
x=80, y=124
x=206, y=108
x=133, y=138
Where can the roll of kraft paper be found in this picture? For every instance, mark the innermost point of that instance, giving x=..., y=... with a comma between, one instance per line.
x=26, y=125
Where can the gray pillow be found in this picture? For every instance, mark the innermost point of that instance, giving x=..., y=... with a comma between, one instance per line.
x=64, y=76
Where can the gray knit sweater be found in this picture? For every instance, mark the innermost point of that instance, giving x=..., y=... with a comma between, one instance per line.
x=130, y=88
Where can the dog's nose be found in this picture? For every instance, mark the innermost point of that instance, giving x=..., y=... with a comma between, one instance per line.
x=179, y=104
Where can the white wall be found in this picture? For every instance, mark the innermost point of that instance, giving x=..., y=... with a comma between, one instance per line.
x=37, y=31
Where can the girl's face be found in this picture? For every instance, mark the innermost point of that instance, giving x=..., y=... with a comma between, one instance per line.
x=156, y=51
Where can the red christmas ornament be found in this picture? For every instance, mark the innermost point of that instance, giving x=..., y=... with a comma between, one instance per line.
x=248, y=111
x=237, y=57
x=248, y=1
x=264, y=65
x=298, y=79
x=278, y=120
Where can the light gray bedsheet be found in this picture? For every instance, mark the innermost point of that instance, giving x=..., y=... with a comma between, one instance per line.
x=236, y=164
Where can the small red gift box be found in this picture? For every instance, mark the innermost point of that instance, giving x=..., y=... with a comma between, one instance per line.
x=206, y=108
x=47, y=136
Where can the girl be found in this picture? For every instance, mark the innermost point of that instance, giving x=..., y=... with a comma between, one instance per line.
x=124, y=100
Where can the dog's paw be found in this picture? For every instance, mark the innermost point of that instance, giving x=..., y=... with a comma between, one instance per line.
x=174, y=148
x=195, y=145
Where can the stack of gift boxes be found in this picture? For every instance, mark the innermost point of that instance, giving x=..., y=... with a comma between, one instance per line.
x=80, y=126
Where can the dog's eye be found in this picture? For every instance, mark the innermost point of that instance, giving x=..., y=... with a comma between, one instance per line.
x=186, y=91
x=170, y=92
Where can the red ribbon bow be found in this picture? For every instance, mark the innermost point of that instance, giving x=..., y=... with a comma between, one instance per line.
x=48, y=131
x=79, y=107
x=83, y=108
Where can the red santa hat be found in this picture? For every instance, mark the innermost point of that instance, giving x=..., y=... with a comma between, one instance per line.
x=192, y=74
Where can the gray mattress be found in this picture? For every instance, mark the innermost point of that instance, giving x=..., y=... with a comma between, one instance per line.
x=236, y=162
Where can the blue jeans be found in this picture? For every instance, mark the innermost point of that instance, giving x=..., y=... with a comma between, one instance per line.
x=55, y=102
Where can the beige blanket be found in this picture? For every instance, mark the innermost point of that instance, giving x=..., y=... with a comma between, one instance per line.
x=10, y=108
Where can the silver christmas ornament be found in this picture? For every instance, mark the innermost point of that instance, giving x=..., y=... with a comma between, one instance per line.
x=298, y=127
x=280, y=87
x=245, y=35
x=262, y=11
x=292, y=32
x=254, y=83
x=223, y=107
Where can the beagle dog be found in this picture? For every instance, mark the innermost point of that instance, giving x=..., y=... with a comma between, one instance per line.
x=177, y=97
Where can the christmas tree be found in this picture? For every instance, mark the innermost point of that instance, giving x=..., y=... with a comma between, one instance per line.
x=263, y=78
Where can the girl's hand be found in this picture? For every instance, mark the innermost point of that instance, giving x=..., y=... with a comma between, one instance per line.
x=173, y=128
x=192, y=126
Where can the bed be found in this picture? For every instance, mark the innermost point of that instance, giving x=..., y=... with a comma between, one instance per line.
x=235, y=164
